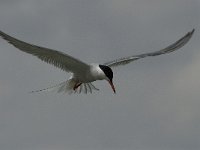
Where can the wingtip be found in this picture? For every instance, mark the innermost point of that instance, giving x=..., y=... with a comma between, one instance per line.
x=1, y=32
x=190, y=34
x=192, y=31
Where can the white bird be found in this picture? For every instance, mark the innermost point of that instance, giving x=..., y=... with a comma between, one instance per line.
x=84, y=74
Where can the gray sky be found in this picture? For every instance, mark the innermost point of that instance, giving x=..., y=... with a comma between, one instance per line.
x=157, y=102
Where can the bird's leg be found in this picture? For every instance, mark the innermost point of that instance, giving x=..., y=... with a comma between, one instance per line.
x=76, y=86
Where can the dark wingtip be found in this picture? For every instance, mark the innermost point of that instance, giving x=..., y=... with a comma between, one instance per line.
x=192, y=31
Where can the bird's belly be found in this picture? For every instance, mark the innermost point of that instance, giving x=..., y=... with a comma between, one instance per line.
x=87, y=78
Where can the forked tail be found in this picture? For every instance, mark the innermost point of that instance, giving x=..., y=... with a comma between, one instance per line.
x=68, y=87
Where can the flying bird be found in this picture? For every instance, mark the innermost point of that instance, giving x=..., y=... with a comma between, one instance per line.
x=84, y=74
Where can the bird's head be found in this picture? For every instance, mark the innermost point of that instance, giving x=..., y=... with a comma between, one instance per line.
x=109, y=75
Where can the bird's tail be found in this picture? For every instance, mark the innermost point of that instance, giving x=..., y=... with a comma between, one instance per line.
x=68, y=87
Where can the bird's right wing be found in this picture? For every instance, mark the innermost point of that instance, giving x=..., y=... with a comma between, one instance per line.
x=175, y=46
x=56, y=58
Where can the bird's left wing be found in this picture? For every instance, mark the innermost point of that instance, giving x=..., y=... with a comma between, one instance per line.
x=175, y=46
x=56, y=58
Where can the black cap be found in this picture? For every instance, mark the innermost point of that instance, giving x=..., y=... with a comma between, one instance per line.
x=107, y=71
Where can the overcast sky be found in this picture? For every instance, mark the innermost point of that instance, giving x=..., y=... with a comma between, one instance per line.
x=158, y=99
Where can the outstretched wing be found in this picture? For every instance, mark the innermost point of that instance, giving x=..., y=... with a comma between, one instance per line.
x=56, y=58
x=175, y=46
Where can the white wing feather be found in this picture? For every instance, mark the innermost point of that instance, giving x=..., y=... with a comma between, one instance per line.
x=56, y=58
x=175, y=46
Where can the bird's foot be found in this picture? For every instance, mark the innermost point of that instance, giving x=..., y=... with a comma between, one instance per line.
x=76, y=86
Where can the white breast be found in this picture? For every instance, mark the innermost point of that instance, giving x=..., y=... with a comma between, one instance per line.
x=95, y=73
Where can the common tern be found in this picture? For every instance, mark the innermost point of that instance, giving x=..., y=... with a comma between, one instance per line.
x=84, y=74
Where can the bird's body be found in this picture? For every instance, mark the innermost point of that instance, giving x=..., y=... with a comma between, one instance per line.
x=84, y=74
